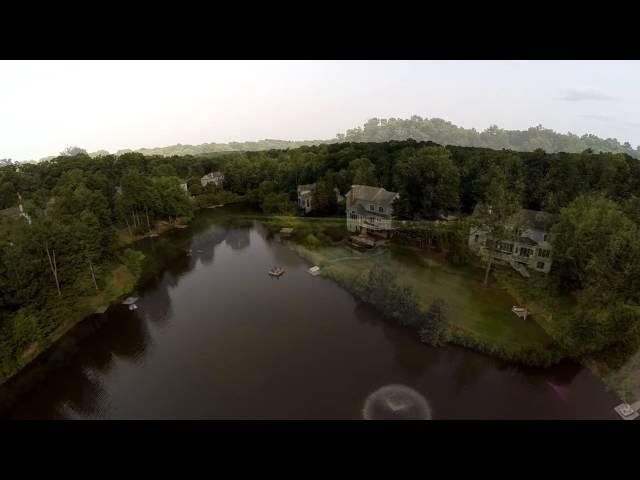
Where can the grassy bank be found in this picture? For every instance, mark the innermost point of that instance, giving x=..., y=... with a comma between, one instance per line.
x=617, y=365
x=478, y=316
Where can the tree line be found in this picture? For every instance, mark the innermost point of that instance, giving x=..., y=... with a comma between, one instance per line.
x=416, y=128
x=79, y=204
x=446, y=133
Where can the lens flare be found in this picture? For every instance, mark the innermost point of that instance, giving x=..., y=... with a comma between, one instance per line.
x=396, y=402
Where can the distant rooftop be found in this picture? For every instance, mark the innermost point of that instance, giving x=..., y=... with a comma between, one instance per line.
x=367, y=193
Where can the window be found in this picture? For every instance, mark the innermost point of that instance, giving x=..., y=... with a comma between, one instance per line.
x=476, y=240
x=372, y=208
x=545, y=237
x=540, y=266
x=505, y=247
x=381, y=209
x=525, y=252
x=544, y=253
x=308, y=203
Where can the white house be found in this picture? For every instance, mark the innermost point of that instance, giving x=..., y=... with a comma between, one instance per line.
x=529, y=245
x=214, y=177
x=307, y=197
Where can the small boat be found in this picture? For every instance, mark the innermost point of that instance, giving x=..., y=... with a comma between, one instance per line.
x=276, y=271
x=133, y=306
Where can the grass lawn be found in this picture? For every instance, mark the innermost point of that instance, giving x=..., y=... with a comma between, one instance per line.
x=484, y=310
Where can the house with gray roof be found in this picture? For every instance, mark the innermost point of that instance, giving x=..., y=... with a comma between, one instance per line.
x=369, y=209
x=529, y=244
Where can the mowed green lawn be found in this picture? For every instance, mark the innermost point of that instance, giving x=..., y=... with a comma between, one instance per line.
x=486, y=310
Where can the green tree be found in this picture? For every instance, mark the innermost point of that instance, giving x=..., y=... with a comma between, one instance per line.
x=363, y=172
x=494, y=214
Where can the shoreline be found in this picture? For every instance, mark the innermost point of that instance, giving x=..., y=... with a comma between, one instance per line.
x=109, y=295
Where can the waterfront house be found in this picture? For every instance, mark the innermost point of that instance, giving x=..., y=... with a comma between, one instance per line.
x=185, y=187
x=370, y=210
x=528, y=245
x=214, y=177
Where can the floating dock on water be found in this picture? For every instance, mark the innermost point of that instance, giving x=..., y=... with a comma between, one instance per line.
x=287, y=231
x=315, y=270
x=101, y=310
x=276, y=272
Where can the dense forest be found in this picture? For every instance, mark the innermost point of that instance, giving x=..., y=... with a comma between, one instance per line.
x=420, y=129
x=79, y=206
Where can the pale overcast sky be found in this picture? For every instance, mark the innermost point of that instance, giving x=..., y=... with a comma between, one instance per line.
x=48, y=105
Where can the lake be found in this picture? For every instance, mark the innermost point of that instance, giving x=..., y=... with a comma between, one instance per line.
x=215, y=337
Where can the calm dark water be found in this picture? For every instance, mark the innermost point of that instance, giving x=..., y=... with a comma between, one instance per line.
x=216, y=338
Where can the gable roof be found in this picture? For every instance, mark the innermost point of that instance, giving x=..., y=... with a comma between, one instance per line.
x=309, y=187
x=534, y=219
x=365, y=193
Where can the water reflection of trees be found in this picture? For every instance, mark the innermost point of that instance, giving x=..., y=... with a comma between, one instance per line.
x=72, y=381
x=238, y=238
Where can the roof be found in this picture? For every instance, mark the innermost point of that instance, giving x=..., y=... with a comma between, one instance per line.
x=527, y=241
x=213, y=175
x=309, y=187
x=535, y=219
x=365, y=193
x=364, y=212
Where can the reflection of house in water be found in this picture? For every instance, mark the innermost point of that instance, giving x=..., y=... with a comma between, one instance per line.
x=238, y=239
x=203, y=246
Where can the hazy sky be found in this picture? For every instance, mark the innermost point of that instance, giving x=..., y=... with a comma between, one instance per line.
x=48, y=105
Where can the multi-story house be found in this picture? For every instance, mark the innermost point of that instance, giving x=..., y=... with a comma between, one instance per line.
x=528, y=245
x=370, y=209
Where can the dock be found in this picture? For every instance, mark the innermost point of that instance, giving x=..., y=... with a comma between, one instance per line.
x=315, y=270
x=276, y=272
x=286, y=232
x=101, y=310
